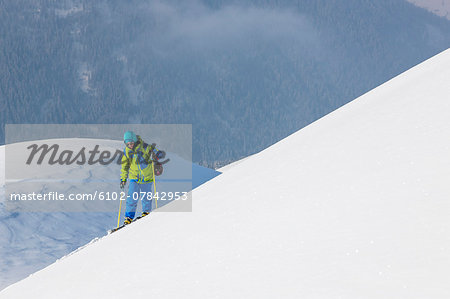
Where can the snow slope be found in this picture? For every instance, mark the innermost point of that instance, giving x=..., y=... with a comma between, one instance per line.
x=30, y=241
x=355, y=205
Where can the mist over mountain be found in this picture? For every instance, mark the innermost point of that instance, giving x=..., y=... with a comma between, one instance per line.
x=244, y=73
x=438, y=7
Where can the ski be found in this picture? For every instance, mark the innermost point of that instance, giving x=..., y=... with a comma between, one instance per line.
x=123, y=225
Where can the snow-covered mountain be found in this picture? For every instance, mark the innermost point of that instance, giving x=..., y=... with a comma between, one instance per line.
x=355, y=205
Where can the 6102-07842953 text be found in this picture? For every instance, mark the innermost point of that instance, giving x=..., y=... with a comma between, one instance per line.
x=58, y=196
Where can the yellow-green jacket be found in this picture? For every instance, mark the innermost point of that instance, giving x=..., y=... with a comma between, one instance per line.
x=137, y=163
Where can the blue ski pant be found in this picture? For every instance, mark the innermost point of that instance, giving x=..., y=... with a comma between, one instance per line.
x=137, y=192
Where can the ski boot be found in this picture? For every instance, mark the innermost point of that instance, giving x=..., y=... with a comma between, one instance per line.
x=127, y=220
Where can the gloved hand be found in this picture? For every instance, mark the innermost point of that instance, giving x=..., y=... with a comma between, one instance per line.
x=158, y=168
x=159, y=155
x=122, y=184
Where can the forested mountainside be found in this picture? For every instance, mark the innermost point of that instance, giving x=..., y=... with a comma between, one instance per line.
x=244, y=73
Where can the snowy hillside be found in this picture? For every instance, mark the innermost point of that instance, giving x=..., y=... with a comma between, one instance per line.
x=355, y=205
x=30, y=241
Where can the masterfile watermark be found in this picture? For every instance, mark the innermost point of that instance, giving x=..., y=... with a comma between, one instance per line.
x=107, y=196
x=79, y=167
x=68, y=157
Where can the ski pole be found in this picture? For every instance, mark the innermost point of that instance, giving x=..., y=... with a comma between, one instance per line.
x=154, y=183
x=118, y=217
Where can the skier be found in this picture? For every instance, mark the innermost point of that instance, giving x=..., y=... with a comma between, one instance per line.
x=137, y=167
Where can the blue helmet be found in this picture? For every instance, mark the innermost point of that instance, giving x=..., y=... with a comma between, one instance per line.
x=129, y=136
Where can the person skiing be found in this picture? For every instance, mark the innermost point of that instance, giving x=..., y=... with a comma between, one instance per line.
x=137, y=166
